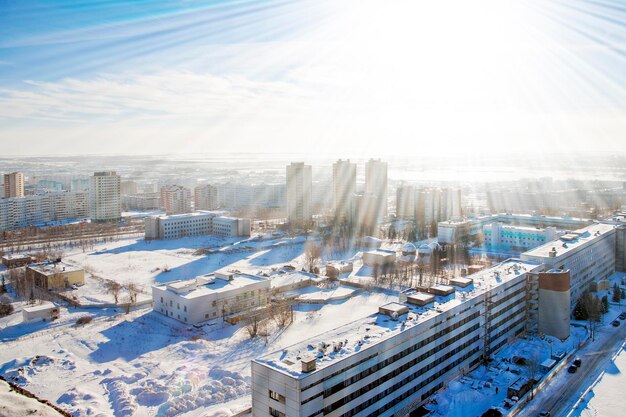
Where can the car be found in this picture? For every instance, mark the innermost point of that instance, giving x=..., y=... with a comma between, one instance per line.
x=572, y=369
x=622, y=316
x=578, y=362
x=544, y=413
x=615, y=323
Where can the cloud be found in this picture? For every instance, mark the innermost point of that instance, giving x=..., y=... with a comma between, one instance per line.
x=167, y=94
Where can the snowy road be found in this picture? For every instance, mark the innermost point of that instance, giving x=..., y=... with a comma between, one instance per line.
x=562, y=393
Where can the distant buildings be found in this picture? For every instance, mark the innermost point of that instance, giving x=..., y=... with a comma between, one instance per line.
x=105, y=198
x=376, y=185
x=299, y=194
x=175, y=199
x=14, y=185
x=344, y=187
x=427, y=206
x=211, y=296
x=206, y=197
x=236, y=196
x=198, y=223
x=39, y=209
x=141, y=202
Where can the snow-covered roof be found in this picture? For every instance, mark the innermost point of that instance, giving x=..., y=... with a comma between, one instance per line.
x=51, y=268
x=209, y=284
x=369, y=331
x=578, y=239
x=45, y=305
x=409, y=248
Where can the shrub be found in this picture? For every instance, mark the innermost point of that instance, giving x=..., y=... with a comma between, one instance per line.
x=84, y=320
x=5, y=309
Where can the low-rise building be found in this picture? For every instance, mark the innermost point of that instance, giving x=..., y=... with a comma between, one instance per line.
x=55, y=275
x=211, y=296
x=379, y=257
x=198, y=223
x=40, y=312
x=16, y=261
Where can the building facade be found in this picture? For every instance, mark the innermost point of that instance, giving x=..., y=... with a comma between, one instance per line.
x=14, y=185
x=198, y=223
x=299, y=194
x=376, y=185
x=588, y=254
x=55, y=275
x=211, y=296
x=42, y=209
x=206, y=197
x=105, y=197
x=389, y=363
x=344, y=186
x=175, y=199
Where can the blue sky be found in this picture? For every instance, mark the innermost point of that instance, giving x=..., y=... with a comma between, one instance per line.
x=349, y=76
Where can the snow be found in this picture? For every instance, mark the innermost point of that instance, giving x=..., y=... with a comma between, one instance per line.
x=13, y=404
x=146, y=364
x=606, y=396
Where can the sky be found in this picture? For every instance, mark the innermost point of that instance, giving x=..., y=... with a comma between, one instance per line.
x=345, y=77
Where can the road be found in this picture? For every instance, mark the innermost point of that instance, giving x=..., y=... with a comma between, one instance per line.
x=560, y=395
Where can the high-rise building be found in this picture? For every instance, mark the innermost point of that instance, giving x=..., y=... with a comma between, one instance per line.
x=405, y=202
x=376, y=184
x=344, y=186
x=106, y=204
x=299, y=194
x=175, y=199
x=40, y=209
x=206, y=197
x=128, y=187
x=14, y=185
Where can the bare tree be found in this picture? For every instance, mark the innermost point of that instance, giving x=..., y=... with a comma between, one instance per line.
x=281, y=312
x=133, y=290
x=312, y=254
x=114, y=288
x=532, y=367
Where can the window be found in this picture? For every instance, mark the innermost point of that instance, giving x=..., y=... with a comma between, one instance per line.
x=161, y=300
x=171, y=303
x=206, y=316
x=277, y=397
x=178, y=306
x=276, y=413
x=185, y=308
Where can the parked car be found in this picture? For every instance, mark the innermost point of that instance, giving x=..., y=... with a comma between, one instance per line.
x=615, y=323
x=572, y=369
x=578, y=362
x=544, y=413
x=622, y=316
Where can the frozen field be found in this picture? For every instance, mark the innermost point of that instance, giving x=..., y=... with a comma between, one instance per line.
x=144, y=364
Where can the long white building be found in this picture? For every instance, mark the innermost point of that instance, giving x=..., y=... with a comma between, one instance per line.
x=34, y=210
x=588, y=253
x=210, y=296
x=198, y=223
x=389, y=363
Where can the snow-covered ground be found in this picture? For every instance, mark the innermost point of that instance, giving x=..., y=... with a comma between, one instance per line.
x=475, y=393
x=605, y=397
x=146, y=364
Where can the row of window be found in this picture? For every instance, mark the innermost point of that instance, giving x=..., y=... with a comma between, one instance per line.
x=345, y=400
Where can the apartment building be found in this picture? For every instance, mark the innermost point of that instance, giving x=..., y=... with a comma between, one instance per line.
x=142, y=201
x=198, y=223
x=376, y=185
x=175, y=199
x=206, y=197
x=344, y=186
x=14, y=185
x=211, y=296
x=39, y=209
x=389, y=363
x=299, y=194
x=105, y=197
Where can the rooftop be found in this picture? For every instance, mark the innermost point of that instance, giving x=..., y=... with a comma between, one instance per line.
x=364, y=333
x=50, y=268
x=204, y=285
x=571, y=241
x=45, y=305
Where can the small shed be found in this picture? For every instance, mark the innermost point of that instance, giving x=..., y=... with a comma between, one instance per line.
x=393, y=310
x=40, y=312
x=547, y=365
